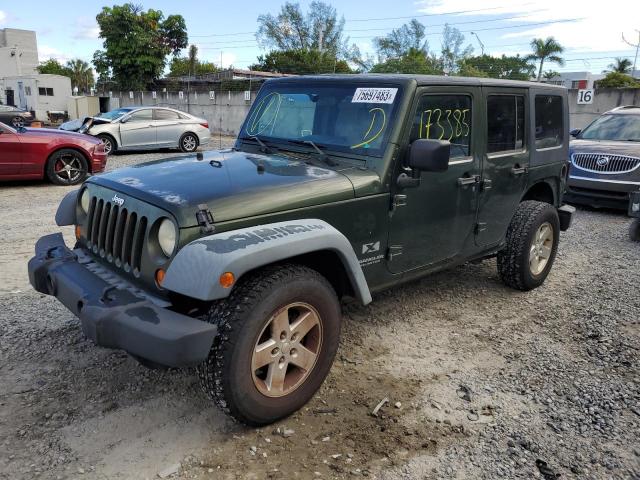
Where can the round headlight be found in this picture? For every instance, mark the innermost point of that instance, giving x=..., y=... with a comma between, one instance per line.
x=84, y=201
x=167, y=236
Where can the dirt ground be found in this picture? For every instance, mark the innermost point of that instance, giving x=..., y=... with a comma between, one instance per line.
x=481, y=381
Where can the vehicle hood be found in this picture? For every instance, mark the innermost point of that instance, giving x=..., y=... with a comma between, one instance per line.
x=631, y=149
x=75, y=125
x=232, y=184
x=56, y=134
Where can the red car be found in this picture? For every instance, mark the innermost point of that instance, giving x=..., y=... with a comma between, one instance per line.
x=65, y=158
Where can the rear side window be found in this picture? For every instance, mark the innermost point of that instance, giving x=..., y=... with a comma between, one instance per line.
x=445, y=117
x=165, y=115
x=505, y=123
x=549, y=119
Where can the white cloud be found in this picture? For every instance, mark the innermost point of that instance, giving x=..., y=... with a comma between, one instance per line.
x=227, y=58
x=86, y=29
x=3, y=17
x=45, y=52
x=599, y=27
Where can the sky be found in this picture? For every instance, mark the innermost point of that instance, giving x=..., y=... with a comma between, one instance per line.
x=590, y=30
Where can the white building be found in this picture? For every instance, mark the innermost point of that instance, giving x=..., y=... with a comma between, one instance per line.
x=576, y=80
x=18, y=52
x=39, y=93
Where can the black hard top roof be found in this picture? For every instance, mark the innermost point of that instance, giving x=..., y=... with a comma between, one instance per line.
x=419, y=79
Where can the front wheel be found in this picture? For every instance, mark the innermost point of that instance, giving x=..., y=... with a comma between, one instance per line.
x=67, y=167
x=108, y=142
x=531, y=245
x=278, y=333
x=17, y=122
x=634, y=230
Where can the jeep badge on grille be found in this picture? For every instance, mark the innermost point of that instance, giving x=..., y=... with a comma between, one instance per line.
x=117, y=200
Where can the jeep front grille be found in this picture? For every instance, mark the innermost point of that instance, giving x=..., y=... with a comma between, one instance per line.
x=603, y=163
x=116, y=234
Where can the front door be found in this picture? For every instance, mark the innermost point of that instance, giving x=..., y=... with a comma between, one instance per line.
x=505, y=163
x=10, y=153
x=139, y=130
x=433, y=222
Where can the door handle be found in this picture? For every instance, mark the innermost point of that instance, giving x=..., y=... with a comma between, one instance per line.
x=466, y=181
x=518, y=170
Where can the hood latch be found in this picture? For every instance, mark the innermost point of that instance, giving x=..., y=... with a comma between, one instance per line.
x=205, y=219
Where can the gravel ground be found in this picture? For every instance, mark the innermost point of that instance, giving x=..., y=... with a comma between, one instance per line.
x=482, y=381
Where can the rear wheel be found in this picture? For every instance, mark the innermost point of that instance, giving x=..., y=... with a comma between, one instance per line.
x=67, y=167
x=278, y=333
x=188, y=142
x=109, y=143
x=634, y=230
x=17, y=122
x=531, y=245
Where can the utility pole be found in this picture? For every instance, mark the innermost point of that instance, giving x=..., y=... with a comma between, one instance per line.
x=637, y=46
x=479, y=41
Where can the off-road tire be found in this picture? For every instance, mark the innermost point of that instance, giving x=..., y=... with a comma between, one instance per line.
x=226, y=375
x=75, y=158
x=189, y=142
x=108, y=139
x=634, y=230
x=513, y=259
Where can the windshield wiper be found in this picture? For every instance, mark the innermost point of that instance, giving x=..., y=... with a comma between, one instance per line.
x=323, y=156
x=264, y=148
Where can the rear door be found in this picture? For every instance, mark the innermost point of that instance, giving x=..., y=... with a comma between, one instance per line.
x=505, y=161
x=168, y=127
x=11, y=155
x=138, y=131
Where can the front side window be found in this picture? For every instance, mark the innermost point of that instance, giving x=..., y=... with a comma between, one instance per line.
x=141, y=116
x=505, y=123
x=549, y=121
x=445, y=117
x=342, y=117
x=620, y=127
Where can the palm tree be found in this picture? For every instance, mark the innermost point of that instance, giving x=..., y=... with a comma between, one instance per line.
x=546, y=50
x=621, y=65
x=550, y=74
x=193, y=59
x=81, y=75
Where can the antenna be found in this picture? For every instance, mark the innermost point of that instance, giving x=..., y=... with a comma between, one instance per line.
x=479, y=41
x=637, y=45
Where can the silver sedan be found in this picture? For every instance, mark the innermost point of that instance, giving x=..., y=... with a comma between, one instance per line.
x=144, y=128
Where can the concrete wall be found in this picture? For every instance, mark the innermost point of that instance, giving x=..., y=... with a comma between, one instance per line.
x=225, y=113
x=603, y=100
x=18, y=52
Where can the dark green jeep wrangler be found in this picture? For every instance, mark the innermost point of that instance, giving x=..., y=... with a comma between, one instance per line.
x=236, y=261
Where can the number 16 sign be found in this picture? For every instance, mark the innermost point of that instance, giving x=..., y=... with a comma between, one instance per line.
x=585, y=97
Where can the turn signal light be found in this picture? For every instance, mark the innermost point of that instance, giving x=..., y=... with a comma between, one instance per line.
x=77, y=231
x=227, y=279
x=160, y=273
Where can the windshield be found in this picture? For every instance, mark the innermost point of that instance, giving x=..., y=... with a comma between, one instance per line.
x=614, y=127
x=114, y=114
x=347, y=118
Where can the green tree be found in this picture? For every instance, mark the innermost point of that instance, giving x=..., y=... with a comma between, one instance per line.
x=453, y=52
x=617, y=80
x=546, y=50
x=300, y=62
x=136, y=44
x=468, y=70
x=190, y=65
x=410, y=36
x=81, y=75
x=413, y=61
x=506, y=67
x=550, y=74
x=53, y=67
x=621, y=65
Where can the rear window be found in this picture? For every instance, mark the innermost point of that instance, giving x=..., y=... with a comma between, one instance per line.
x=549, y=119
x=165, y=115
x=505, y=123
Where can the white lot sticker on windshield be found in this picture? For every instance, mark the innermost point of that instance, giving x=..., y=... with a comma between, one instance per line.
x=374, y=95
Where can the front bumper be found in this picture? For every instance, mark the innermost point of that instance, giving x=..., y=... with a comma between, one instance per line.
x=599, y=192
x=116, y=317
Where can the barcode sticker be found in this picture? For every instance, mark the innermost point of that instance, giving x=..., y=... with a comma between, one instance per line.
x=374, y=95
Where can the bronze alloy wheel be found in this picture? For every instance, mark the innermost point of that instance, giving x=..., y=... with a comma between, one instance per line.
x=286, y=350
x=541, y=247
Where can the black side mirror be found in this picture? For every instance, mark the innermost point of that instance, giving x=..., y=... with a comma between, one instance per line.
x=428, y=155
x=575, y=132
